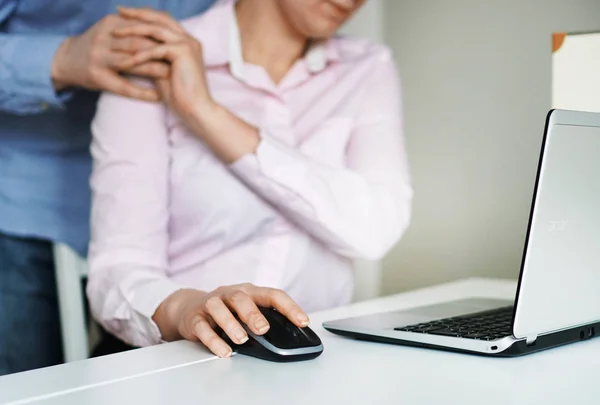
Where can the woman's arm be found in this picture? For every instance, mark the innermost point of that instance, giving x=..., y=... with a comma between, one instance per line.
x=358, y=211
x=128, y=286
x=127, y=255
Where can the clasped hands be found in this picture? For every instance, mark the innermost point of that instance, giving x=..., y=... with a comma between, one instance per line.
x=184, y=86
x=149, y=43
x=137, y=42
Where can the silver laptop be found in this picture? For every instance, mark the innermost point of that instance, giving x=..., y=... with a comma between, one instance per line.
x=558, y=296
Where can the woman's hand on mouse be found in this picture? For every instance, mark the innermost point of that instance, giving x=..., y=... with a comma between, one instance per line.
x=193, y=315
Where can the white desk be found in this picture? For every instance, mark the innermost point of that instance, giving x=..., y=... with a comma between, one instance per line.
x=348, y=372
x=78, y=375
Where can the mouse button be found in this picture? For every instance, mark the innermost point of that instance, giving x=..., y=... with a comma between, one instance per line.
x=280, y=320
x=293, y=330
x=283, y=337
x=272, y=315
x=310, y=337
x=282, y=332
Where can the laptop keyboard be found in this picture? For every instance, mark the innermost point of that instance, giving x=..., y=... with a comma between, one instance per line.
x=488, y=325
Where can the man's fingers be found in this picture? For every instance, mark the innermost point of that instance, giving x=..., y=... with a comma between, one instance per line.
x=156, y=32
x=270, y=297
x=131, y=45
x=114, y=60
x=223, y=317
x=121, y=86
x=162, y=52
x=154, y=70
x=247, y=310
x=209, y=337
x=151, y=16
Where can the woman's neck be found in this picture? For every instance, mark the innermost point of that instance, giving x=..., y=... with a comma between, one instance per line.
x=267, y=38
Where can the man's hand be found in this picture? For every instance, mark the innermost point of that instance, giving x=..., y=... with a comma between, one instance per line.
x=185, y=89
x=193, y=314
x=94, y=61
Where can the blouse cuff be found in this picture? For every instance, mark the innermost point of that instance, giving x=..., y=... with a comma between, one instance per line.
x=145, y=301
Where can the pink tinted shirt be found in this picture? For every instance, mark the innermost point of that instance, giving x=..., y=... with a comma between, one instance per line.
x=328, y=183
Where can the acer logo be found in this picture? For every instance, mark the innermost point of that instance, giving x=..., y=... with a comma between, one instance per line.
x=557, y=225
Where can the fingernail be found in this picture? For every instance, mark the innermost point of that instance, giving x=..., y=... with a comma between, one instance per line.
x=261, y=325
x=303, y=319
x=224, y=353
x=241, y=336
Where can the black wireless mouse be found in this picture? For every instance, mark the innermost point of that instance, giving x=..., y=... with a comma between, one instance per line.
x=283, y=342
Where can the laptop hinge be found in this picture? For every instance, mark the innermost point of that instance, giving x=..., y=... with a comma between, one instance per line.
x=530, y=340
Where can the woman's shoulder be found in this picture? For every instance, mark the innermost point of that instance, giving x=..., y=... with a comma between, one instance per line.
x=360, y=50
x=197, y=24
x=209, y=23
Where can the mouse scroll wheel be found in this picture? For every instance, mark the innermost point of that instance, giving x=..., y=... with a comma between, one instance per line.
x=292, y=330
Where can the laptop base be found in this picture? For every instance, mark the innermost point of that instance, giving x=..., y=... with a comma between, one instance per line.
x=516, y=349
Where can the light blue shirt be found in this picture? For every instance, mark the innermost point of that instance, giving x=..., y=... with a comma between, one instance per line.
x=45, y=162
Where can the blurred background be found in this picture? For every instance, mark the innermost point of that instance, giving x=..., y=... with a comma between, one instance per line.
x=477, y=84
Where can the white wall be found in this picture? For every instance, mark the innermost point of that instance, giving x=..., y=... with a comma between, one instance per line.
x=368, y=21
x=476, y=77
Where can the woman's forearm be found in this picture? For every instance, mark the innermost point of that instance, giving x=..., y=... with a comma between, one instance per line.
x=228, y=136
x=351, y=214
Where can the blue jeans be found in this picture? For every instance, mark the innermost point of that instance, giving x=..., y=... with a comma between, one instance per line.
x=30, y=335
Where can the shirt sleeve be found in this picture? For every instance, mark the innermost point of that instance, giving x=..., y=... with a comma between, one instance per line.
x=128, y=247
x=25, y=69
x=359, y=210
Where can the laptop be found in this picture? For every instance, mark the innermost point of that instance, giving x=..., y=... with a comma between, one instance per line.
x=557, y=301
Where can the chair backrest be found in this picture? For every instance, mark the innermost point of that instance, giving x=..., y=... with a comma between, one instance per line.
x=71, y=269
